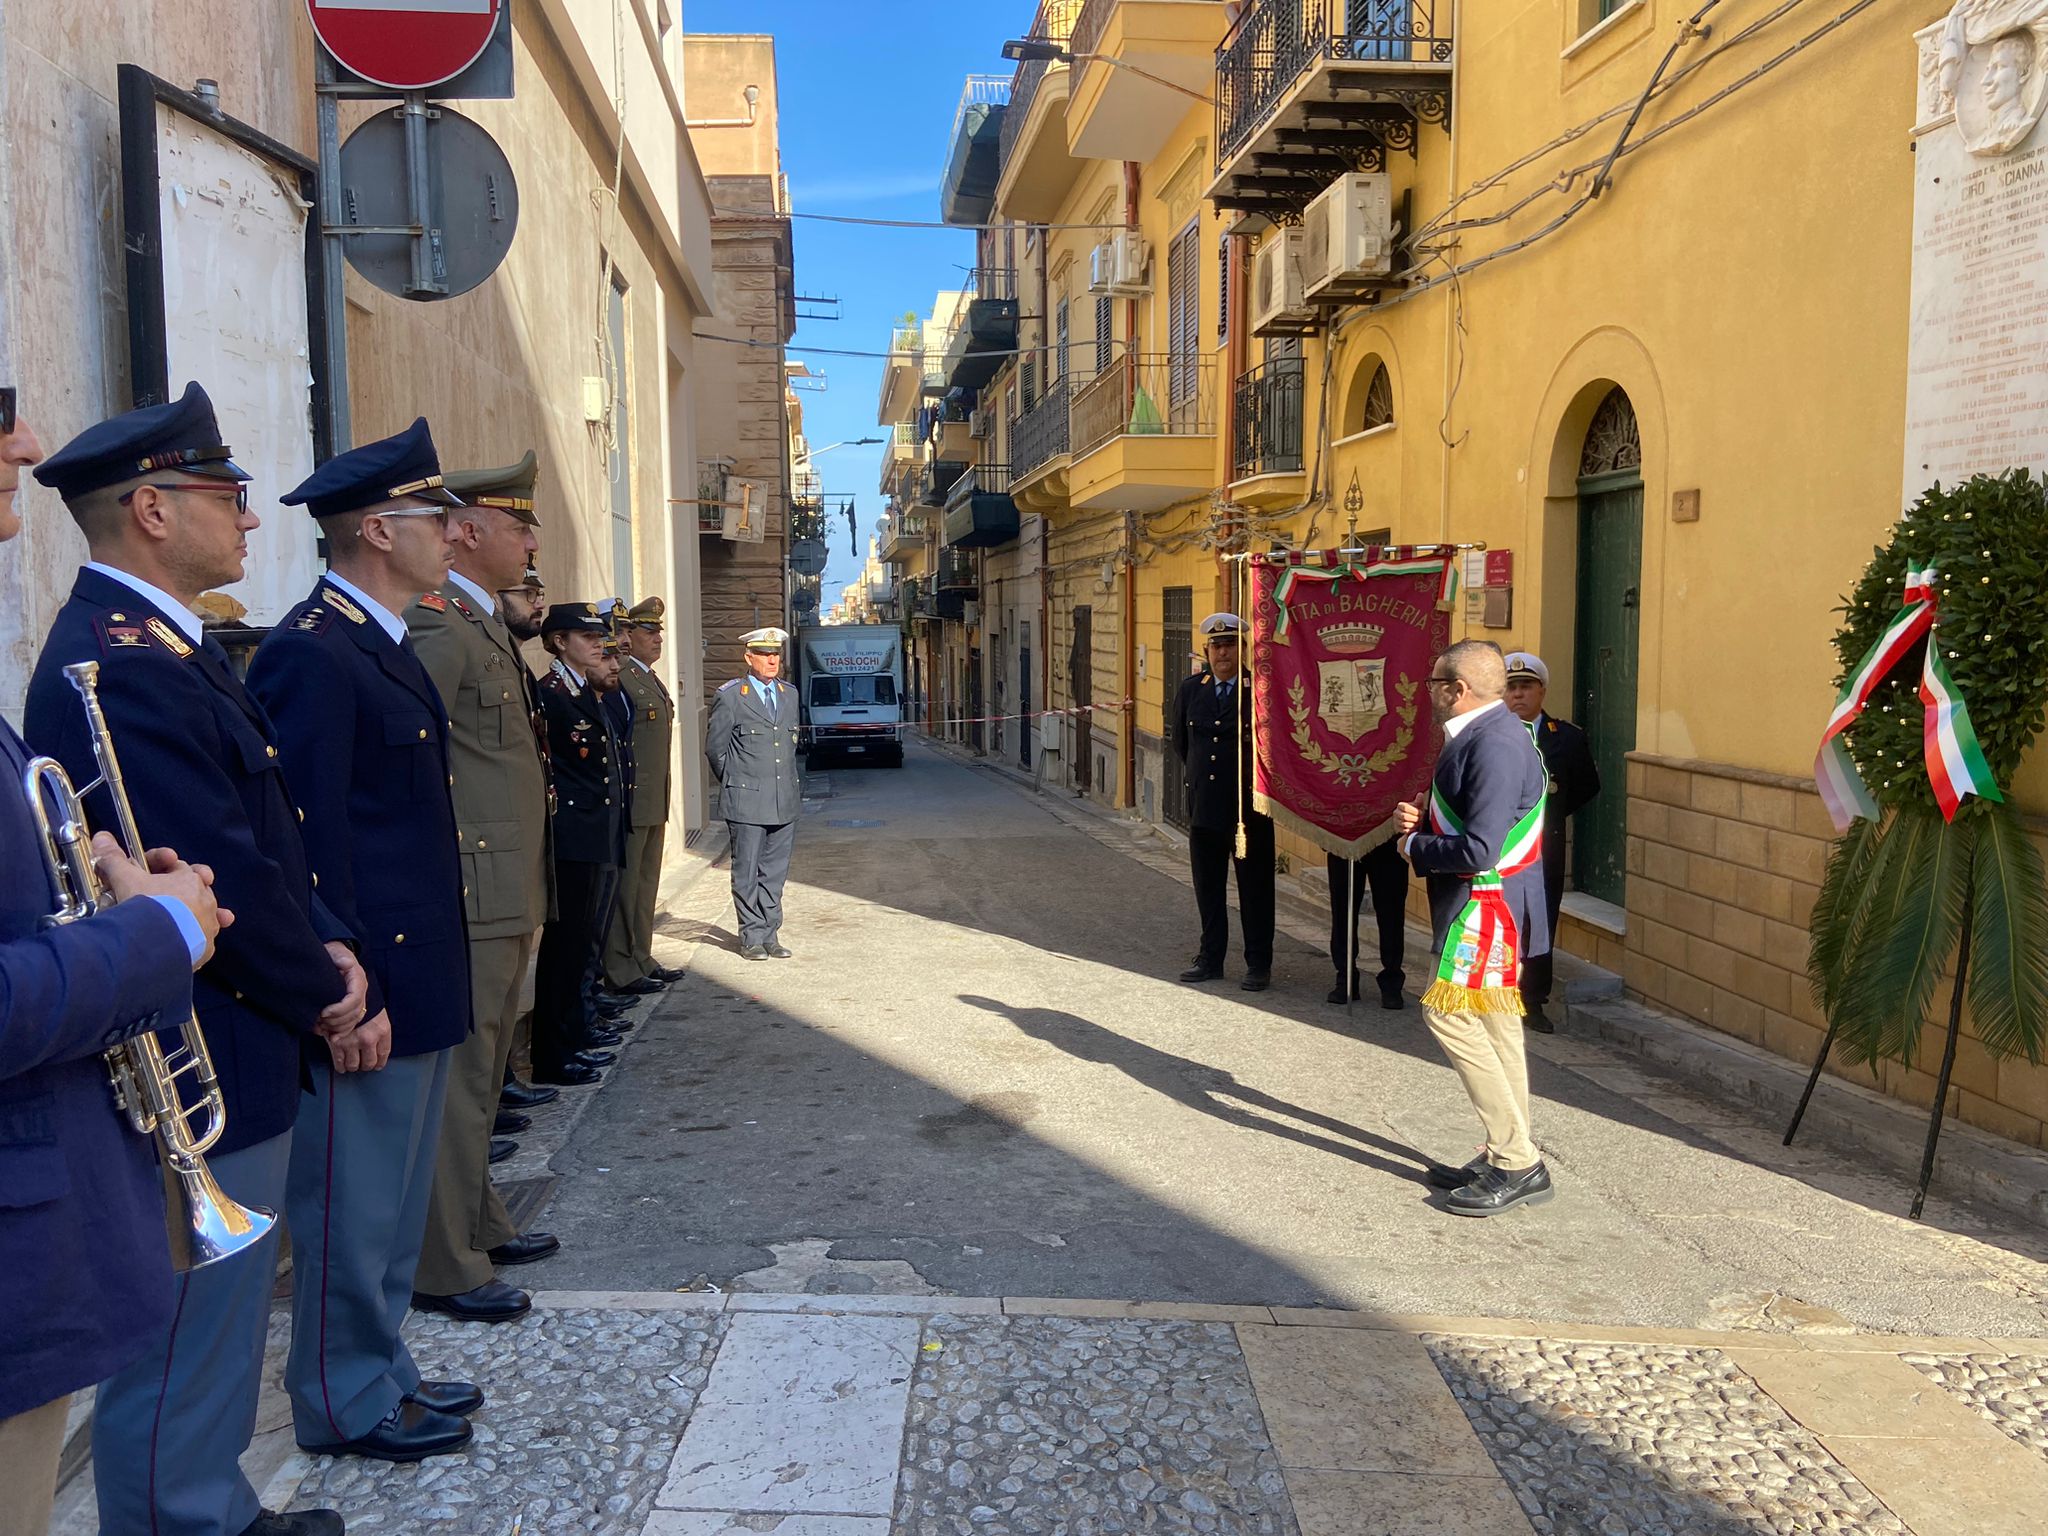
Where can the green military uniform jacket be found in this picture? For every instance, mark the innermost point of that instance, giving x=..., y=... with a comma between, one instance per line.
x=654, y=730
x=501, y=782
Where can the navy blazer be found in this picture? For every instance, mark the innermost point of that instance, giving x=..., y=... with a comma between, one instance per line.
x=1210, y=735
x=618, y=714
x=590, y=800
x=88, y=1277
x=365, y=742
x=1492, y=775
x=204, y=778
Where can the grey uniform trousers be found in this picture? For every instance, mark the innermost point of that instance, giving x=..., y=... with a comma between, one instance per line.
x=760, y=863
x=466, y=1218
x=168, y=1431
x=362, y=1171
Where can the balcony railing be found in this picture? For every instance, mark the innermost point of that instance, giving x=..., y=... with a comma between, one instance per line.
x=1266, y=420
x=1055, y=23
x=1276, y=42
x=1041, y=433
x=1146, y=395
x=956, y=570
x=805, y=485
x=1089, y=25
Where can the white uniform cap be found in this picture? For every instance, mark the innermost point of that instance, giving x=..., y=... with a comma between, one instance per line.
x=1222, y=624
x=1522, y=666
x=768, y=639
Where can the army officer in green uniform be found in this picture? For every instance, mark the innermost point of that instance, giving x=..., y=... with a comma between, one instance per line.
x=751, y=744
x=629, y=947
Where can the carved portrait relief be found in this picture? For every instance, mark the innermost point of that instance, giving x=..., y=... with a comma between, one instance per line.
x=1991, y=70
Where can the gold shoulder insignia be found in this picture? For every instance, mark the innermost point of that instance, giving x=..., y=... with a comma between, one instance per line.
x=123, y=635
x=169, y=638
x=313, y=620
x=434, y=602
x=343, y=606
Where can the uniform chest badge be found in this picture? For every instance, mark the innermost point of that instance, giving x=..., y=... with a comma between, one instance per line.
x=583, y=751
x=344, y=607
x=433, y=602
x=125, y=635
x=312, y=621
x=169, y=638
x=462, y=608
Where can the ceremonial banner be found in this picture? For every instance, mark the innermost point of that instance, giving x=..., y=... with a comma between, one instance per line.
x=1341, y=652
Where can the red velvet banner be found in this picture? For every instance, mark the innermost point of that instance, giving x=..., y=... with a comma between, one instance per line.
x=1341, y=654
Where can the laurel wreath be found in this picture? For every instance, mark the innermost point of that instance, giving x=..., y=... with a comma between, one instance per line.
x=1350, y=768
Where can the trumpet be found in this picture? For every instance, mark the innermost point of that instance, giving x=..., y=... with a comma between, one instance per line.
x=205, y=1225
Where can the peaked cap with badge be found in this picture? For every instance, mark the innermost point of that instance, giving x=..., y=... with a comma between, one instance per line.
x=766, y=641
x=648, y=613
x=389, y=469
x=575, y=617
x=509, y=488
x=181, y=436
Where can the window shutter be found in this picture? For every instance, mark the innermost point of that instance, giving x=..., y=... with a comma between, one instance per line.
x=1183, y=320
x=1060, y=329
x=1105, y=341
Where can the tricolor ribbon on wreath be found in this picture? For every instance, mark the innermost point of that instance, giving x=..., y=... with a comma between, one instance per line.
x=1479, y=970
x=1955, y=763
x=1390, y=560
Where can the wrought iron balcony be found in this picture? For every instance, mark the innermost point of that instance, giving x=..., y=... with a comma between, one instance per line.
x=1053, y=23
x=985, y=332
x=1299, y=79
x=1266, y=420
x=1040, y=435
x=956, y=570
x=1152, y=394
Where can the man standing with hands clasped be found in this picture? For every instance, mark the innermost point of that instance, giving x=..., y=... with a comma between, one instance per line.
x=1477, y=839
x=751, y=744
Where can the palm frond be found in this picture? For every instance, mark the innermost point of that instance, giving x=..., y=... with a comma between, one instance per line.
x=1836, y=909
x=1916, y=909
x=2009, y=949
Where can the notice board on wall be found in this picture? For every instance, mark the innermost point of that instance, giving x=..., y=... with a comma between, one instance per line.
x=223, y=255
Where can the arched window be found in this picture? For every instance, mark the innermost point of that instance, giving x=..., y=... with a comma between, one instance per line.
x=1613, y=442
x=1371, y=400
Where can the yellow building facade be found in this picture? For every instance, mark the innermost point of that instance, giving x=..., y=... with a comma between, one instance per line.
x=1636, y=321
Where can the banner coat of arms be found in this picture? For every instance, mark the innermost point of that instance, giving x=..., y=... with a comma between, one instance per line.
x=1341, y=652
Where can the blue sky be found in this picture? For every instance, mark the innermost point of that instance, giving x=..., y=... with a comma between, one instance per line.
x=868, y=94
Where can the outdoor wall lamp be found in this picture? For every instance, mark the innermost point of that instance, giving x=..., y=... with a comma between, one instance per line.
x=1024, y=50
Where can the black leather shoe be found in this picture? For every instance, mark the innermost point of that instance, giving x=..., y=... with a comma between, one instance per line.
x=669, y=973
x=502, y=1147
x=518, y=1095
x=600, y=1037
x=511, y=1123
x=461, y=1398
x=1442, y=1176
x=573, y=1073
x=1256, y=981
x=1538, y=1020
x=595, y=1058
x=776, y=951
x=1496, y=1189
x=300, y=1522
x=408, y=1433
x=609, y=1008
x=646, y=986
x=1391, y=998
x=1196, y=973
x=526, y=1248
x=754, y=952
x=492, y=1302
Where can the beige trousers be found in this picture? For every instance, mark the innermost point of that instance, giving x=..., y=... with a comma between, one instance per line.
x=30, y=1444
x=465, y=1216
x=1486, y=1049
x=629, y=947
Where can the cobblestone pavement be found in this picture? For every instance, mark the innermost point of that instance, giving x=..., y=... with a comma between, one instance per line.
x=2009, y=1390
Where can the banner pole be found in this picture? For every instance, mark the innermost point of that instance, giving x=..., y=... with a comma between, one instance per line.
x=1237, y=607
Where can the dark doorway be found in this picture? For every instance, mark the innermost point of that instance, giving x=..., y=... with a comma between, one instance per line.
x=1605, y=646
x=1081, y=693
x=975, y=726
x=1025, y=722
x=1176, y=661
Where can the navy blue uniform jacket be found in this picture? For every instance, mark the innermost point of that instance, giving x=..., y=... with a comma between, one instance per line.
x=590, y=798
x=204, y=778
x=1209, y=737
x=618, y=714
x=88, y=1275
x=1492, y=774
x=365, y=743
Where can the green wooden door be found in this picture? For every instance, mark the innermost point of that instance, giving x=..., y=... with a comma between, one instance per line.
x=1609, y=622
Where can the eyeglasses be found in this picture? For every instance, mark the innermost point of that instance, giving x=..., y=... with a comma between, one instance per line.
x=7, y=410
x=239, y=492
x=1444, y=682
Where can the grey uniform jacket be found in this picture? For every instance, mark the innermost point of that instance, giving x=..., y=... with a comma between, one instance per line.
x=750, y=743
x=501, y=783
x=654, y=730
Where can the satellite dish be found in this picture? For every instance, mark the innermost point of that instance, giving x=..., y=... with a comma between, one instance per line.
x=807, y=556
x=472, y=203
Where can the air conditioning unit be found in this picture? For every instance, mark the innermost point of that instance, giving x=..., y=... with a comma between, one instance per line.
x=1348, y=236
x=1129, y=260
x=981, y=425
x=1278, y=305
x=1102, y=268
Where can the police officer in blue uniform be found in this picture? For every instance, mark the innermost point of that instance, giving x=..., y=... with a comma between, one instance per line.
x=588, y=806
x=364, y=739
x=165, y=515
x=1574, y=780
x=79, y=1192
x=750, y=741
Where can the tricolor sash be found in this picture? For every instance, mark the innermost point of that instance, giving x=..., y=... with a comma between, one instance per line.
x=1481, y=965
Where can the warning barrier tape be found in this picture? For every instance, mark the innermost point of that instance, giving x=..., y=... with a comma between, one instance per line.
x=1077, y=709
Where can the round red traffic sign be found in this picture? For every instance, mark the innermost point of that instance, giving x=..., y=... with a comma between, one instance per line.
x=405, y=45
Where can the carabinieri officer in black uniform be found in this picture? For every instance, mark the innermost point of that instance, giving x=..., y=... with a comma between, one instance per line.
x=365, y=744
x=588, y=805
x=166, y=517
x=1212, y=732
x=1574, y=780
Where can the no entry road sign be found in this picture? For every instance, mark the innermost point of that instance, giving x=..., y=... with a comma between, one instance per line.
x=405, y=45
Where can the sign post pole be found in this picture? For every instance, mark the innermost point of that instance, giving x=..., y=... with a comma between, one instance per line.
x=334, y=266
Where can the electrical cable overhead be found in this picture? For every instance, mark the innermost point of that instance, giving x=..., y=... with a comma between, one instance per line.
x=966, y=229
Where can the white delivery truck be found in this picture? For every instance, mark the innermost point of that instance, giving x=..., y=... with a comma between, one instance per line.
x=850, y=678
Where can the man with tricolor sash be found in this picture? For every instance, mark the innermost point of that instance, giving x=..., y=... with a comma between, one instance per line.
x=1477, y=839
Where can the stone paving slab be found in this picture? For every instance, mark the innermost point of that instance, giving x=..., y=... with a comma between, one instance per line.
x=2010, y=1390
